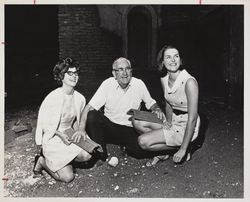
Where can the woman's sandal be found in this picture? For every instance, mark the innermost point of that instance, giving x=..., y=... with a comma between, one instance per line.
x=37, y=173
x=156, y=159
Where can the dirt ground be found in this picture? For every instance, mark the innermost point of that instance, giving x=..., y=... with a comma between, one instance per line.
x=215, y=170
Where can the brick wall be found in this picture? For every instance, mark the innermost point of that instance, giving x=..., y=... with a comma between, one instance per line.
x=81, y=37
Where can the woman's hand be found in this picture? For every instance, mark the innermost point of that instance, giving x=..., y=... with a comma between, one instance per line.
x=65, y=139
x=178, y=156
x=78, y=135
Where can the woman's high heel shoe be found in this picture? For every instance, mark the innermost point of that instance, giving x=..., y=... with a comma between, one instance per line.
x=37, y=173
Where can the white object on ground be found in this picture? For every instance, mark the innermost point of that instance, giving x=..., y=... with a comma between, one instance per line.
x=113, y=161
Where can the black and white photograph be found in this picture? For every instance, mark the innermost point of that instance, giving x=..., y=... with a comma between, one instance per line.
x=124, y=100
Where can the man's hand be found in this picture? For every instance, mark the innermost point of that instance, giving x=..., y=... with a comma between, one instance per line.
x=78, y=135
x=159, y=114
x=178, y=156
x=166, y=125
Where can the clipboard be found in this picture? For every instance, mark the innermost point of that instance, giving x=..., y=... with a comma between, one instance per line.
x=88, y=145
x=144, y=116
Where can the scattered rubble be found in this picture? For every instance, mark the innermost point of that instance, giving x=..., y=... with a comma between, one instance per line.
x=210, y=174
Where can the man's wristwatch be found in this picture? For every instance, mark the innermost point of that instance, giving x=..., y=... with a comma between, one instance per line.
x=156, y=109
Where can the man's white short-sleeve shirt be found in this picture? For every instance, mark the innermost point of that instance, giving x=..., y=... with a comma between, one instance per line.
x=117, y=101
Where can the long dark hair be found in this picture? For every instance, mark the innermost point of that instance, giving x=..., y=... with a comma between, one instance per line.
x=160, y=57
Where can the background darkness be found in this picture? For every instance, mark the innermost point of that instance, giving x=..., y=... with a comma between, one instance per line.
x=32, y=49
x=31, y=36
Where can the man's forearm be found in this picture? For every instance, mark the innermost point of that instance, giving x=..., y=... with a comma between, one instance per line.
x=83, y=121
x=168, y=112
x=155, y=107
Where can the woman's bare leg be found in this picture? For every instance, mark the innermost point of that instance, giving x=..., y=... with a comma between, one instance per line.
x=83, y=156
x=154, y=141
x=65, y=174
x=144, y=126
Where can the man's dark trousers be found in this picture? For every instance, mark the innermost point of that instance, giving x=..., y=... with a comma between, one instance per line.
x=103, y=131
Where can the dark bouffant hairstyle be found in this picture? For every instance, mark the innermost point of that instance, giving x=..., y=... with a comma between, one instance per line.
x=160, y=58
x=62, y=66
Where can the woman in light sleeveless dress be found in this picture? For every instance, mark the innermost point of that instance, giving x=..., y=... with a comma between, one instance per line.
x=181, y=119
x=60, y=110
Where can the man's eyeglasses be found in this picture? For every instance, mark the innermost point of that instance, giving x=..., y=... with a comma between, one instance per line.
x=70, y=73
x=121, y=70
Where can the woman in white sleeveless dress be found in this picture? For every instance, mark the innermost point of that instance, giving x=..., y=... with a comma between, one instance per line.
x=181, y=119
x=60, y=110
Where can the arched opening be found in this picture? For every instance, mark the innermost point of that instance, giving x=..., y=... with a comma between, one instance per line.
x=139, y=25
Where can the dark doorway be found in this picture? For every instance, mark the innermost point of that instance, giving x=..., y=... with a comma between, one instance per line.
x=31, y=51
x=139, y=37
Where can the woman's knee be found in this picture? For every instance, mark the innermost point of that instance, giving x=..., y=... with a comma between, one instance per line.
x=142, y=126
x=143, y=142
x=67, y=177
x=83, y=156
x=138, y=125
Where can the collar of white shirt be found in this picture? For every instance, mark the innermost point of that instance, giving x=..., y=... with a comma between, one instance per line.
x=124, y=89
